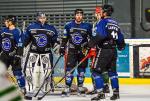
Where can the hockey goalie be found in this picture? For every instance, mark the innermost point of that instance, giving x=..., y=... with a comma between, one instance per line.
x=39, y=61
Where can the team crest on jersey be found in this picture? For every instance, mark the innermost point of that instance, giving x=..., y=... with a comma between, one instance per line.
x=77, y=38
x=6, y=44
x=41, y=40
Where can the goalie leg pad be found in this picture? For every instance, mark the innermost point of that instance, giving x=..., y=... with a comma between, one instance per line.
x=30, y=71
x=45, y=68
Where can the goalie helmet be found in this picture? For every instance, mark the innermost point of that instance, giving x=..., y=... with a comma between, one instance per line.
x=108, y=9
x=41, y=14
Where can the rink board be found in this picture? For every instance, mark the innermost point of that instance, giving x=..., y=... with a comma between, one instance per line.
x=135, y=81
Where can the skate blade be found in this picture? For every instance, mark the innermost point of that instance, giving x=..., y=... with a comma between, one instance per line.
x=100, y=100
x=115, y=100
x=107, y=95
x=68, y=95
x=81, y=95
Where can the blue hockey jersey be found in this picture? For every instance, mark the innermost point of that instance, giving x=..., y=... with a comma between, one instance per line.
x=10, y=40
x=42, y=37
x=107, y=34
x=76, y=34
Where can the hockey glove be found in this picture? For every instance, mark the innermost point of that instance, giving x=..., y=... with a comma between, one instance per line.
x=19, y=51
x=62, y=50
x=92, y=52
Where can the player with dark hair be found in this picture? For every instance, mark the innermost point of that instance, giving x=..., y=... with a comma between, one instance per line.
x=105, y=74
x=107, y=37
x=76, y=34
x=12, y=49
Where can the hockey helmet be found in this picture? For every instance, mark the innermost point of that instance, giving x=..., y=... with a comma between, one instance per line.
x=98, y=9
x=40, y=14
x=108, y=9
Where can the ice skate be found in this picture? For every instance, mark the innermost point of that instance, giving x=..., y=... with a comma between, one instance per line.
x=99, y=97
x=66, y=92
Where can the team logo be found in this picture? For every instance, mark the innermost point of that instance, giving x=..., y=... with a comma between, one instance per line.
x=41, y=40
x=6, y=44
x=77, y=38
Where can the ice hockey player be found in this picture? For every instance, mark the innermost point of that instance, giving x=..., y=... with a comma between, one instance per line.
x=42, y=37
x=12, y=49
x=105, y=74
x=76, y=34
x=107, y=37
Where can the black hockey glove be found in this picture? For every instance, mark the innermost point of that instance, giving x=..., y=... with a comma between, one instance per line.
x=19, y=52
x=62, y=50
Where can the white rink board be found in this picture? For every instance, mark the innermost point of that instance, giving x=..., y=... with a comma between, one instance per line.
x=134, y=42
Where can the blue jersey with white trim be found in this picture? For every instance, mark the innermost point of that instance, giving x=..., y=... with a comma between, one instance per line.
x=10, y=40
x=107, y=34
x=76, y=34
x=42, y=37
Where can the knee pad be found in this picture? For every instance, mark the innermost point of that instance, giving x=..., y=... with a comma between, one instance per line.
x=114, y=80
x=20, y=78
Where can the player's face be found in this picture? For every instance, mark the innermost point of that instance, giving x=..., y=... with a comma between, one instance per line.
x=79, y=17
x=98, y=16
x=103, y=14
x=98, y=12
x=6, y=23
x=42, y=19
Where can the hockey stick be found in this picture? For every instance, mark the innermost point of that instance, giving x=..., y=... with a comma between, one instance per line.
x=87, y=56
x=30, y=98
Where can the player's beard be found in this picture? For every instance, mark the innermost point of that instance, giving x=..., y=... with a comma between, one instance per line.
x=78, y=20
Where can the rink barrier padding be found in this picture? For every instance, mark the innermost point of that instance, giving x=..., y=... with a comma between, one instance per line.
x=135, y=81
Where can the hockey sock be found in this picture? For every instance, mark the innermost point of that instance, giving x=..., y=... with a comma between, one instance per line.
x=80, y=79
x=105, y=77
x=20, y=78
x=114, y=80
x=69, y=77
x=99, y=82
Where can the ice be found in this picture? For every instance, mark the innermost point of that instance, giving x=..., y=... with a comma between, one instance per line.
x=127, y=93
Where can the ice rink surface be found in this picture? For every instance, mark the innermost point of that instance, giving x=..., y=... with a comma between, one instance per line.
x=127, y=93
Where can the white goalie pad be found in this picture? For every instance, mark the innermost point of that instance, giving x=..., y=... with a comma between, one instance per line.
x=38, y=67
